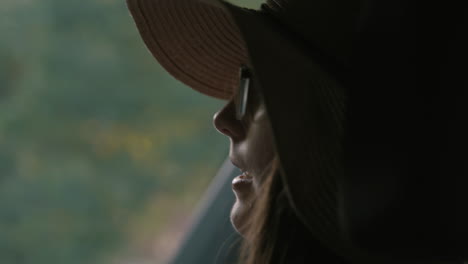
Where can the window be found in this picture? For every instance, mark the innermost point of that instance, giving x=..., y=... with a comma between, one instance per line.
x=104, y=156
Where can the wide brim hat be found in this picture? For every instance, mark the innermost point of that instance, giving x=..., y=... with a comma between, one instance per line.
x=203, y=43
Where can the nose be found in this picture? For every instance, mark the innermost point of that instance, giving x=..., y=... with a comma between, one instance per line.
x=226, y=123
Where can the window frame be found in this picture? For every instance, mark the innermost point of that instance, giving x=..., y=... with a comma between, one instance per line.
x=211, y=238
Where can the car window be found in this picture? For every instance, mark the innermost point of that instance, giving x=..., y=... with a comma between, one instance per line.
x=104, y=156
x=211, y=238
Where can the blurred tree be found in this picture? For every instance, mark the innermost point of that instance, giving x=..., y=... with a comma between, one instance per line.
x=86, y=138
x=92, y=133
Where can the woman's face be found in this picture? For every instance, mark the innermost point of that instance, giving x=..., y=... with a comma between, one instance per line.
x=251, y=150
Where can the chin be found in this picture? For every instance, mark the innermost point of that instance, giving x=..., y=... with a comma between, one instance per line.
x=240, y=213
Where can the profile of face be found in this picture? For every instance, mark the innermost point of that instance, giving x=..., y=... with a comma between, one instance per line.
x=251, y=150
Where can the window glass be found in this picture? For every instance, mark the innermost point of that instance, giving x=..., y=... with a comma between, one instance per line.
x=103, y=155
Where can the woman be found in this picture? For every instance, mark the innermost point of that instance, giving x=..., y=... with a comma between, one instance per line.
x=300, y=63
x=282, y=71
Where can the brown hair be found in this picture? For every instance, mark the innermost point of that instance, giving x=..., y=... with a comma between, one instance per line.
x=275, y=234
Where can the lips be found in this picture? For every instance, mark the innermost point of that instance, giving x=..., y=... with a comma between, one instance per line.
x=244, y=177
x=238, y=164
x=242, y=183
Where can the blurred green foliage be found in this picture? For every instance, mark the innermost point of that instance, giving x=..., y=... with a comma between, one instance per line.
x=98, y=145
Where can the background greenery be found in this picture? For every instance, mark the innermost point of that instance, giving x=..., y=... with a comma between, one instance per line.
x=102, y=154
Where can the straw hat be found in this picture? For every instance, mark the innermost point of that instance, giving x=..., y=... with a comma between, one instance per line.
x=296, y=49
x=203, y=42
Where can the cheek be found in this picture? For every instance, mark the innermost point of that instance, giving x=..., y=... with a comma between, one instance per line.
x=260, y=146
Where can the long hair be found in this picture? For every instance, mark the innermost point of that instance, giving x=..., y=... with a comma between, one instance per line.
x=274, y=233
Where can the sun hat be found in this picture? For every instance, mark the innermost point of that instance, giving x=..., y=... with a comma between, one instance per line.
x=200, y=42
x=301, y=48
x=303, y=44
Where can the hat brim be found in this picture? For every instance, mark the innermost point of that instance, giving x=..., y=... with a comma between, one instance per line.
x=196, y=42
